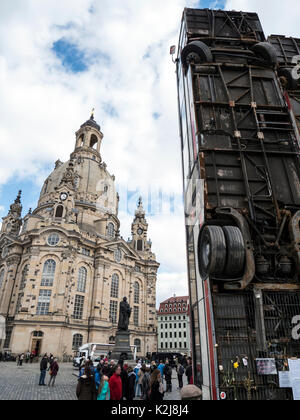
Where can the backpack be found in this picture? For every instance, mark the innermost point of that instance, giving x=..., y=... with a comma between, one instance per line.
x=146, y=384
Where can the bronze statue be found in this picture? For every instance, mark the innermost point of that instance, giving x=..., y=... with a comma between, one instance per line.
x=125, y=312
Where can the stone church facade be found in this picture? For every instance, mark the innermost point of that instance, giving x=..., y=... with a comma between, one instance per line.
x=64, y=268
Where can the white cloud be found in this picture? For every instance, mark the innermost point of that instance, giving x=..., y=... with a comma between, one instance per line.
x=42, y=105
x=276, y=17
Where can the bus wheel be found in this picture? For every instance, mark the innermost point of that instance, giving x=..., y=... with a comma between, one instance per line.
x=235, y=250
x=212, y=251
x=196, y=52
x=266, y=52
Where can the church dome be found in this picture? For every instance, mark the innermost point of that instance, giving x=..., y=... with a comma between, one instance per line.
x=83, y=178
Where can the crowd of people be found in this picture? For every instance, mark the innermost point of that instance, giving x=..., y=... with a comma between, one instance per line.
x=120, y=381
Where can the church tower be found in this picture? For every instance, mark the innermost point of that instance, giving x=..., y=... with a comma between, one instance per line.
x=64, y=267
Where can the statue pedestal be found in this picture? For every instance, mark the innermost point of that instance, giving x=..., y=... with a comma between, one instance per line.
x=122, y=346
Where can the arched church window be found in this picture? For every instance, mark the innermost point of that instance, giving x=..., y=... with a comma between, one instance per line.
x=93, y=140
x=114, y=291
x=111, y=230
x=48, y=273
x=136, y=289
x=59, y=212
x=139, y=245
x=137, y=343
x=82, y=276
x=1, y=277
x=77, y=341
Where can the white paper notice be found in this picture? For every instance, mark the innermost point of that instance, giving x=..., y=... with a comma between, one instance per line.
x=294, y=366
x=284, y=379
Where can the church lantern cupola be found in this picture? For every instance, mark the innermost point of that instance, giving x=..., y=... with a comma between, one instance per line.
x=89, y=136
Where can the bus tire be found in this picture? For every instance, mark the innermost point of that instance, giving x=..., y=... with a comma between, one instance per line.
x=236, y=252
x=196, y=52
x=266, y=52
x=212, y=251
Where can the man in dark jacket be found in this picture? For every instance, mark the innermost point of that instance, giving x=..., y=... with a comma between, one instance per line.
x=43, y=369
x=168, y=376
x=189, y=371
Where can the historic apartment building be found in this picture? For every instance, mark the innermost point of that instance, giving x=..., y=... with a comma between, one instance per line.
x=173, y=326
x=64, y=267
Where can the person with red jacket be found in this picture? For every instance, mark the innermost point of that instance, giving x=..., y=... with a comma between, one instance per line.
x=115, y=385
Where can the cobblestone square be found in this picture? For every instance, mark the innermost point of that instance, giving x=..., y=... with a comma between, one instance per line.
x=21, y=383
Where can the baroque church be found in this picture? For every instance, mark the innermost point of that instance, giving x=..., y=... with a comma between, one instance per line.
x=64, y=268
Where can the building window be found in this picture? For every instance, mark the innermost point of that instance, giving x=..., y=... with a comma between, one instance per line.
x=170, y=345
x=136, y=316
x=114, y=291
x=136, y=288
x=166, y=335
x=48, y=273
x=8, y=337
x=166, y=345
x=185, y=345
x=59, y=212
x=162, y=335
x=78, y=307
x=137, y=343
x=111, y=230
x=113, y=309
x=118, y=255
x=77, y=341
x=86, y=252
x=112, y=339
x=139, y=245
x=43, y=302
x=23, y=278
x=38, y=334
x=171, y=335
x=1, y=277
x=18, y=307
x=53, y=239
x=82, y=275
x=184, y=334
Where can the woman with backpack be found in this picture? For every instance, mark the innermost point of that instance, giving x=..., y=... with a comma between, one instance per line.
x=145, y=385
x=86, y=387
x=180, y=372
x=156, y=392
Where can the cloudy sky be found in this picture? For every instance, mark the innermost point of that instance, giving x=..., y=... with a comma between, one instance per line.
x=58, y=60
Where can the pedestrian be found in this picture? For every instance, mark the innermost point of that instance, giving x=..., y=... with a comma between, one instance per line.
x=106, y=369
x=115, y=385
x=156, y=392
x=31, y=357
x=43, y=369
x=141, y=374
x=98, y=376
x=136, y=371
x=103, y=391
x=180, y=372
x=53, y=371
x=112, y=367
x=131, y=384
x=161, y=367
x=124, y=378
x=86, y=388
x=153, y=366
x=189, y=371
x=21, y=359
x=145, y=386
x=168, y=376
x=27, y=357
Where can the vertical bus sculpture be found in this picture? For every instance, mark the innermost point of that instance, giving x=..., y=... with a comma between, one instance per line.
x=241, y=176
